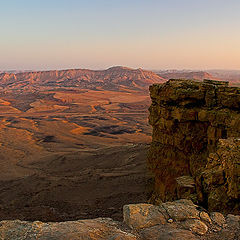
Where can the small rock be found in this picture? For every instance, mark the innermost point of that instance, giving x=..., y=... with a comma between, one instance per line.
x=205, y=217
x=185, y=186
x=233, y=221
x=185, y=202
x=218, y=218
x=216, y=229
x=195, y=225
x=232, y=217
x=180, y=211
x=111, y=208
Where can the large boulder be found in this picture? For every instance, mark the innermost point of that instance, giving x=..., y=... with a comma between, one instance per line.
x=181, y=214
x=181, y=219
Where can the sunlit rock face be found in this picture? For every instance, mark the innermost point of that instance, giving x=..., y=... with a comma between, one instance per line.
x=188, y=119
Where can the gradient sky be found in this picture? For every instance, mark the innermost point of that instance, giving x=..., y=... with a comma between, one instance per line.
x=96, y=34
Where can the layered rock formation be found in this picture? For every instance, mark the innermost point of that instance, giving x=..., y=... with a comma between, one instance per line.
x=188, y=119
x=177, y=220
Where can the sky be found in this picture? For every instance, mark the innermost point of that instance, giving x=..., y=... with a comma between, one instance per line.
x=97, y=34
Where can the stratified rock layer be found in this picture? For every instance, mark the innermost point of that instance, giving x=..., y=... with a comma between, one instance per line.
x=188, y=119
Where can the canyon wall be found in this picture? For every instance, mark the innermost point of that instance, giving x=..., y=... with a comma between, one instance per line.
x=188, y=119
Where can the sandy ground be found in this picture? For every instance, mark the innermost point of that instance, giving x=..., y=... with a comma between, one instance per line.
x=84, y=184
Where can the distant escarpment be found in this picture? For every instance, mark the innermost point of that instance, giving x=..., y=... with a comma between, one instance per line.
x=181, y=74
x=115, y=79
x=195, y=150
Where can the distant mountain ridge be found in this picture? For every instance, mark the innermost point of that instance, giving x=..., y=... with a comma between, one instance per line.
x=116, y=78
x=111, y=79
x=233, y=76
x=184, y=74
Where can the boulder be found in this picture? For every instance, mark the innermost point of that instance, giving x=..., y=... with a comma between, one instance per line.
x=161, y=232
x=205, y=217
x=143, y=215
x=195, y=225
x=218, y=219
x=181, y=210
x=186, y=187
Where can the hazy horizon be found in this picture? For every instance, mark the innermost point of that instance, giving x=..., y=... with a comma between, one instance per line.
x=148, y=34
x=102, y=69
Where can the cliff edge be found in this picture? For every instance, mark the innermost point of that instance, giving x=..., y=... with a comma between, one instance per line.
x=187, y=157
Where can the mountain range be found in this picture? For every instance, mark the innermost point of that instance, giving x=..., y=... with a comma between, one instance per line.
x=114, y=79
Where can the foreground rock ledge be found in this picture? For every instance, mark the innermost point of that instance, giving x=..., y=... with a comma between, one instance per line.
x=177, y=220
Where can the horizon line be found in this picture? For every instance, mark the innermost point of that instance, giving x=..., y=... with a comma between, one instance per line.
x=115, y=66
